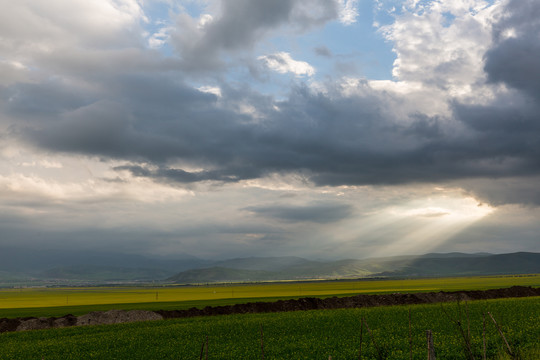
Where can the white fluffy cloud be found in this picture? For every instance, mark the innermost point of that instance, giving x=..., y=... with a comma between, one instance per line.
x=442, y=43
x=60, y=38
x=283, y=63
x=39, y=26
x=348, y=11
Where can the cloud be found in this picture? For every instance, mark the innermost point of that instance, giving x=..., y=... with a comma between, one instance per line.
x=101, y=127
x=438, y=52
x=120, y=131
x=119, y=127
x=160, y=37
x=40, y=27
x=339, y=139
x=506, y=127
x=505, y=191
x=514, y=58
x=43, y=163
x=316, y=213
x=42, y=100
x=180, y=176
x=510, y=227
x=240, y=25
x=322, y=51
x=282, y=62
x=348, y=11
x=12, y=72
x=72, y=44
x=347, y=132
x=429, y=212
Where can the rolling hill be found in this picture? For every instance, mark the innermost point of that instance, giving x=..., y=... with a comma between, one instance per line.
x=429, y=265
x=69, y=267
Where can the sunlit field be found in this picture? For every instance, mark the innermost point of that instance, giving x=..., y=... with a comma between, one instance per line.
x=316, y=334
x=60, y=301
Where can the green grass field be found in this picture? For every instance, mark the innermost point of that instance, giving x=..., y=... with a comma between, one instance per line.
x=77, y=301
x=296, y=335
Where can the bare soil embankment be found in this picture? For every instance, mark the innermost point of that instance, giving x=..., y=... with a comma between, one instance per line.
x=357, y=301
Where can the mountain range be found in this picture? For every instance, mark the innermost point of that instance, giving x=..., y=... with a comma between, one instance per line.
x=18, y=266
x=429, y=265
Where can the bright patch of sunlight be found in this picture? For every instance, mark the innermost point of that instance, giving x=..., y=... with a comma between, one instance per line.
x=433, y=221
x=415, y=227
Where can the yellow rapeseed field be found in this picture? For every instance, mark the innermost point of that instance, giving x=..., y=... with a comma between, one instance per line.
x=79, y=296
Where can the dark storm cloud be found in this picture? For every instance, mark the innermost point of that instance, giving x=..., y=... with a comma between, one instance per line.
x=38, y=100
x=323, y=51
x=317, y=213
x=153, y=121
x=52, y=232
x=242, y=23
x=515, y=62
x=172, y=175
x=146, y=117
x=514, y=58
x=242, y=20
x=506, y=143
x=512, y=190
x=507, y=131
x=332, y=140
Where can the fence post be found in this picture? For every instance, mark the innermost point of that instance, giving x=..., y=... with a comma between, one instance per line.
x=431, y=348
x=361, y=338
x=202, y=349
x=262, y=343
x=502, y=335
x=484, y=336
x=379, y=353
x=410, y=334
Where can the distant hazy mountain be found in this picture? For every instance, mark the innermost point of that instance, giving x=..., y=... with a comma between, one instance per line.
x=289, y=268
x=28, y=260
x=103, y=273
x=18, y=265
x=264, y=263
x=455, y=255
x=222, y=274
x=515, y=263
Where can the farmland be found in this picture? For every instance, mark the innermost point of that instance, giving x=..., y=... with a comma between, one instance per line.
x=77, y=301
x=314, y=334
x=296, y=335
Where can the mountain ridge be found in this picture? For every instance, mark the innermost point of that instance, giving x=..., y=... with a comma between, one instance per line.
x=63, y=267
x=429, y=265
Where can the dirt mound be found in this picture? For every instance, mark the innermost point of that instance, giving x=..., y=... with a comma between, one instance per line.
x=116, y=317
x=46, y=323
x=358, y=301
x=93, y=318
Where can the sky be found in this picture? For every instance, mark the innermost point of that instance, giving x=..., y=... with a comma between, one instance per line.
x=325, y=129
